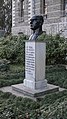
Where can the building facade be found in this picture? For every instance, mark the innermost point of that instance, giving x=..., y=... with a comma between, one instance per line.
x=53, y=11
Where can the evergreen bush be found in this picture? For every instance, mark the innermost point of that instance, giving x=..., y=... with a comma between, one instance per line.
x=56, y=48
x=12, y=48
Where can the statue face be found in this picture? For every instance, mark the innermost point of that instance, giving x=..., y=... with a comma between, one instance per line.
x=34, y=23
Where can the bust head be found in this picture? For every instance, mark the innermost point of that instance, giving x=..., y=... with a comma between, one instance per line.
x=36, y=22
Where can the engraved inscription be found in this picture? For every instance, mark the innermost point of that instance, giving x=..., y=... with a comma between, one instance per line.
x=30, y=60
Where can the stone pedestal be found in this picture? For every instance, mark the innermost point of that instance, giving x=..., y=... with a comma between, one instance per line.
x=35, y=84
x=35, y=53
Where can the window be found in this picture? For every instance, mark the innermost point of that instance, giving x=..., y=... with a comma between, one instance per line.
x=64, y=7
x=21, y=9
x=43, y=8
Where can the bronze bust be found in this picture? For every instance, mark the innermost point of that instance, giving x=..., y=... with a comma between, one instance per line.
x=36, y=23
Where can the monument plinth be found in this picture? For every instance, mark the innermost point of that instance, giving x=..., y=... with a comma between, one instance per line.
x=35, y=53
x=35, y=84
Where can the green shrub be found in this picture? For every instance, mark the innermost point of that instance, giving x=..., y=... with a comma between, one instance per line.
x=4, y=65
x=56, y=48
x=12, y=48
x=57, y=75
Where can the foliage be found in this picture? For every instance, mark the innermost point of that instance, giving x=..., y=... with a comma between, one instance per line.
x=52, y=106
x=8, y=15
x=12, y=106
x=12, y=48
x=1, y=3
x=4, y=65
x=2, y=15
x=55, y=106
x=12, y=60
x=56, y=48
x=57, y=75
x=13, y=75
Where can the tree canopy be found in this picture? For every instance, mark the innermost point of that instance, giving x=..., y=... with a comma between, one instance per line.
x=6, y=15
x=1, y=14
x=1, y=2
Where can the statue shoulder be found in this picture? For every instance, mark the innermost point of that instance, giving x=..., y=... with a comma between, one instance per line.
x=41, y=37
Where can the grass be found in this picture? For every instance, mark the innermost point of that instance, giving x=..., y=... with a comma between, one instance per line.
x=14, y=75
x=57, y=75
x=51, y=106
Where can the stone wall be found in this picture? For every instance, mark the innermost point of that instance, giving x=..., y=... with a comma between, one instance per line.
x=21, y=29
x=54, y=23
x=54, y=11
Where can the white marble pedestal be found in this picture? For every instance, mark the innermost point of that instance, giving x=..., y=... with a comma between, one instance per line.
x=35, y=83
x=35, y=65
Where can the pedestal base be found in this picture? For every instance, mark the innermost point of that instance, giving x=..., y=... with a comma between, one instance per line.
x=35, y=84
x=35, y=93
